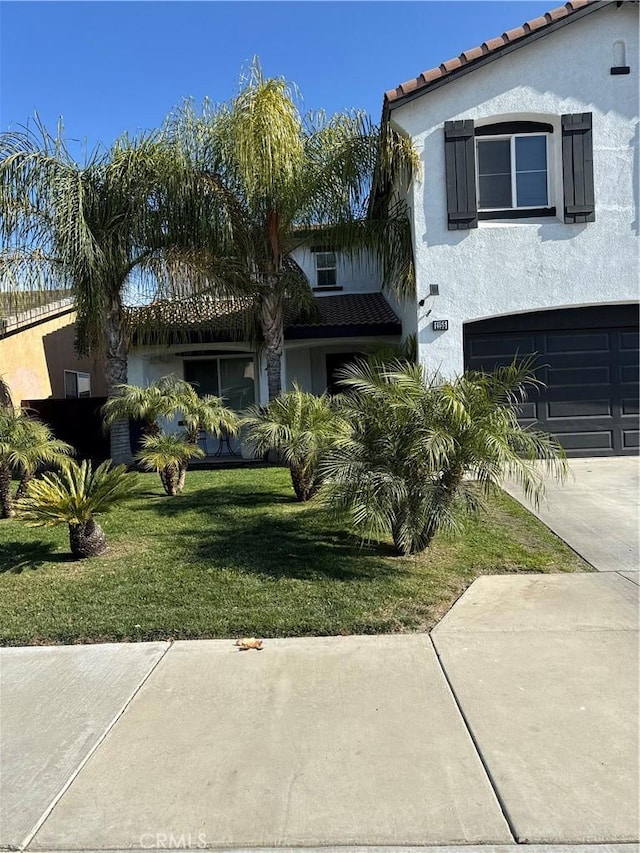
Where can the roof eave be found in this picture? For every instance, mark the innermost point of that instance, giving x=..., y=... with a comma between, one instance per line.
x=390, y=105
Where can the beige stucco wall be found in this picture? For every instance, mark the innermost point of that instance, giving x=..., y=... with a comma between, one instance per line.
x=33, y=360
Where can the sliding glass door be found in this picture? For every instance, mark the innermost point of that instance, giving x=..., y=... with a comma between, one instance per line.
x=231, y=377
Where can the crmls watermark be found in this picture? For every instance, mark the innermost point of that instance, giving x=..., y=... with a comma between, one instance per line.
x=173, y=841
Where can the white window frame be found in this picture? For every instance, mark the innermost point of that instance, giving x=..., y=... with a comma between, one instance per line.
x=77, y=374
x=512, y=155
x=334, y=266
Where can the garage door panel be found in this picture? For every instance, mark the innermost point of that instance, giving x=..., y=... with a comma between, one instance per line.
x=591, y=374
x=559, y=409
x=629, y=374
x=596, y=441
x=629, y=341
x=493, y=347
x=572, y=376
x=528, y=411
x=575, y=343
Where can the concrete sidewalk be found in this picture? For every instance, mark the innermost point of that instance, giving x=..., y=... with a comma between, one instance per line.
x=523, y=726
x=596, y=511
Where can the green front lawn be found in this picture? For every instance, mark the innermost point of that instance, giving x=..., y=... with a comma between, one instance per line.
x=237, y=555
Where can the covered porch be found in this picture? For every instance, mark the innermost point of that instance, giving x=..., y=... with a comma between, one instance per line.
x=204, y=353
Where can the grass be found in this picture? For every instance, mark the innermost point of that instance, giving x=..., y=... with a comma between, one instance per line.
x=237, y=555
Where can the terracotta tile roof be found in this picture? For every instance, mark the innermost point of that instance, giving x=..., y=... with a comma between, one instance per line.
x=492, y=46
x=227, y=319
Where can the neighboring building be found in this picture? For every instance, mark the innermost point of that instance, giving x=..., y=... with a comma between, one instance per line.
x=526, y=217
x=38, y=359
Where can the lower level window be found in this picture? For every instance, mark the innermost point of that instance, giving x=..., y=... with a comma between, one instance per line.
x=512, y=172
x=77, y=384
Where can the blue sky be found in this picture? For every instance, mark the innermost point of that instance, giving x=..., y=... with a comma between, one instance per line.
x=107, y=67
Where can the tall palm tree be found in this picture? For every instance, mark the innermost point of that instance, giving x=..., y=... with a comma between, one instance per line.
x=418, y=446
x=281, y=176
x=122, y=225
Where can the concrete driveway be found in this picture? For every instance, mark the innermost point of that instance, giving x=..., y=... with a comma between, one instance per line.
x=514, y=721
x=596, y=511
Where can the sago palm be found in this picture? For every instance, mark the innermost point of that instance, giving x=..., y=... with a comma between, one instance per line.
x=418, y=447
x=281, y=176
x=301, y=427
x=123, y=225
x=75, y=496
x=168, y=454
x=25, y=444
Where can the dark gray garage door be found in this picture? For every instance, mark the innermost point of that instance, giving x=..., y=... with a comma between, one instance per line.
x=588, y=360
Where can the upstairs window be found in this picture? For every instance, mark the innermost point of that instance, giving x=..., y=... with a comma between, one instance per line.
x=326, y=268
x=505, y=170
x=512, y=172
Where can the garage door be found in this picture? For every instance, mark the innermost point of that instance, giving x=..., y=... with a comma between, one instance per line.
x=588, y=360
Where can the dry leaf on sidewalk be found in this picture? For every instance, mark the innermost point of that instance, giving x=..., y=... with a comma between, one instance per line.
x=249, y=643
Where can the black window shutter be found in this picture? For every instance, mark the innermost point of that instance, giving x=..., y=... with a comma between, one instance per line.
x=577, y=168
x=460, y=164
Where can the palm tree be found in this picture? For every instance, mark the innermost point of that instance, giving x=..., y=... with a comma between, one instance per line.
x=302, y=428
x=163, y=399
x=124, y=225
x=25, y=444
x=281, y=176
x=148, y=404
x=39, y=447
x=419, y=446
x=168, y=454
x=74, y=497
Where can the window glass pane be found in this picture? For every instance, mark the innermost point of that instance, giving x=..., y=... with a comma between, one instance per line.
x=84, y=385
x=531, y=189
x=70, y=383
x=237, y=378
x=203, y=375
x=494, y=158
x=325, y=259
x=326, y=278
x=495, y=191
x=531, y=153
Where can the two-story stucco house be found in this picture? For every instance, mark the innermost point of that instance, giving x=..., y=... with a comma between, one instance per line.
x=526, y=218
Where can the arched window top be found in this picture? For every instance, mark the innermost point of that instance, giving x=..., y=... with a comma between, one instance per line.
x=508, y=127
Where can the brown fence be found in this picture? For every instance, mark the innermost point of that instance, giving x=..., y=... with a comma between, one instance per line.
x=77, y=421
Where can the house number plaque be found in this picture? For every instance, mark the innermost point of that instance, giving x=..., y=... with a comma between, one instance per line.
x=440, y=325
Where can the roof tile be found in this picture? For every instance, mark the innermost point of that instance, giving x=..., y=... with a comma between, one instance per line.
x=491, y=45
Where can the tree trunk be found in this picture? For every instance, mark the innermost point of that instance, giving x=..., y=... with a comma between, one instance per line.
x=116, y=374
x=272, y=320
x=26, y=478
x=169, y=479
x=304, y=484
x=6, y=503
x=87, y=539
x=182, y=476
